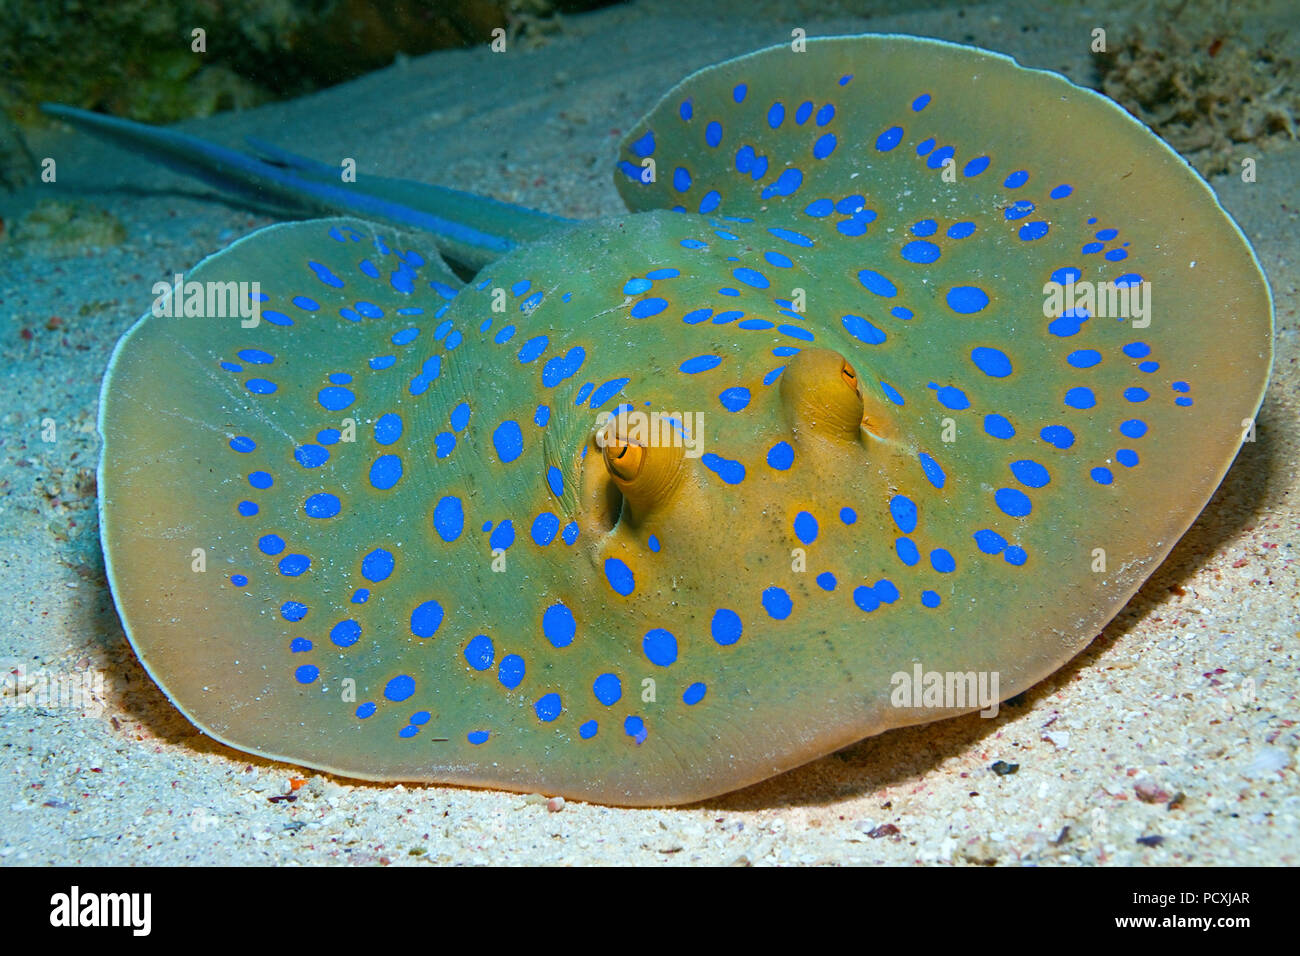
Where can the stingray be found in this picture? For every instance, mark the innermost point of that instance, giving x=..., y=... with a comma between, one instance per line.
x=906, y=360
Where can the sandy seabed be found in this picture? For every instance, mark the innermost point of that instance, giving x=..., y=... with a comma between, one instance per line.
x=1171, y=739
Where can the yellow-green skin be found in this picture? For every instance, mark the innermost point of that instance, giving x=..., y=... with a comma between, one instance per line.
x=789, y=689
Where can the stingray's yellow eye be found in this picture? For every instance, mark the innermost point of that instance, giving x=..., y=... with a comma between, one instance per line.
x=622, y=458
x=820, y=391
x=642, y=460
x=850, y=377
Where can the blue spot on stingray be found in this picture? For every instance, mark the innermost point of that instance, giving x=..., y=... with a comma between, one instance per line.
x=874, y=282
x=385, y=472
x=1012, y=502
x=1018, y=210
x=732, y=472
x=555, y=480
x=426, y=619
x=644, y=146
x=271, y=544
x=619, y=576
x=322, y=505
x=700, y=363
x=865, y=598
x=1102, y=476
x=989, y=541
x=607, y=391
x=534, y=347
x=904, y=513
x=819, y=208
x=503, y=537
x=1058, y=436
x=992, y=362
x=790, y=236
x=377, y=565
x=449, y=518
x=932, y=470
x=548, y=707
x=345, y=633
x=510, y=672
x=293, y=611
x=1080, y=397
x=789, y=181
x=388, y=428
x=508, y=440
x=648, y=307
x=660, y=647
x=805, y=527
x=324, y=274
x=777, y=603
x=889, y=139
x=734, y=399
x=311, y=456
x=243, y=444
x=1030, y=473
x=558, y=625
x=261, y=386
x=399, y=688
x=608, y=689
x=781, y=456
x=726, y=627
x=950, y=396
x=966, y=299
x=545, y=527
x=1084, y=358
x=1133, y=428
x=939, y=157
x=863, y=330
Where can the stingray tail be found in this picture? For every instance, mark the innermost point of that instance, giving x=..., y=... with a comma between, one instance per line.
x=470, y=229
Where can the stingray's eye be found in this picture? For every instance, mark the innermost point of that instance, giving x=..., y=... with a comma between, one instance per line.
x=820, y=391
x=850, y=377
x=643, y=455
x=623, y=458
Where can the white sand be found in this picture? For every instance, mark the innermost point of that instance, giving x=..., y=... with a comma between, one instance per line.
x=1160, y=702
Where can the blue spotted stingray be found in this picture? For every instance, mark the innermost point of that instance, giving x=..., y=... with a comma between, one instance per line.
x=659, y=505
